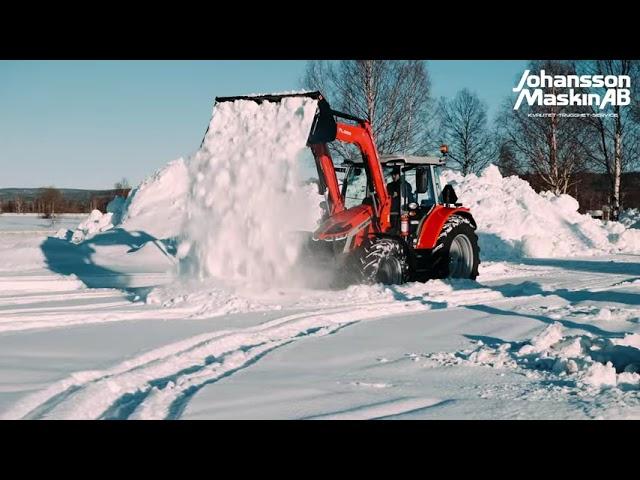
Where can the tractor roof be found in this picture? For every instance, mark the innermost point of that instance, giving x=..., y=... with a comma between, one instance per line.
x=410, y=159
x=398, y=159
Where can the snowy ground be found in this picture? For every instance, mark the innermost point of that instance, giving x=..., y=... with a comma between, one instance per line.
x=186, y=300
x=19, y=223
x=536, y=338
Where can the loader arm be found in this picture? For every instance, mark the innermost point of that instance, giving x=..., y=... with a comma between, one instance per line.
x=326, y=129
x=328, y=177
x=362, y=136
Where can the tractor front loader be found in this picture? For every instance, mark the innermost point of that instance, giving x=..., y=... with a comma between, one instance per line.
x=389, y=221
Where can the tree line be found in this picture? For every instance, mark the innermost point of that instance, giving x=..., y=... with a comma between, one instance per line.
x=50, y=201
x=552, y=146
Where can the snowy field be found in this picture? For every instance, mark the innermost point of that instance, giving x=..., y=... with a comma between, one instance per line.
x=537, y=338
x=189, y=300
x=18, y=223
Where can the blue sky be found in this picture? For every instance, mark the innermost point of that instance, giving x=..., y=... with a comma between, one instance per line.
x=86, y=124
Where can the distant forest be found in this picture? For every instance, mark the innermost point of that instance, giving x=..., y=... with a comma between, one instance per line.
x=49, y=200
x=590, y=189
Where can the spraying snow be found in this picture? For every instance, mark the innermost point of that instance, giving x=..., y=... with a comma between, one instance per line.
x=244, y=199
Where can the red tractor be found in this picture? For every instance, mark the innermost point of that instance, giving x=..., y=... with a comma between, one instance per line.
x=389, y=221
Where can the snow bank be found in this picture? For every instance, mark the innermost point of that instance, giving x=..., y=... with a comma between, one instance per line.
x=630, y=218
x=95, y=223
x=514, y=221
x=157, y=205
x=244, y=196
x=583, y=361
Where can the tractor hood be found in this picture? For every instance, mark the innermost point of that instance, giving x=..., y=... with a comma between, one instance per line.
x=344, y=224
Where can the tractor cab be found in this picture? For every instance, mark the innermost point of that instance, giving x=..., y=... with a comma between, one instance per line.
x=412, y=182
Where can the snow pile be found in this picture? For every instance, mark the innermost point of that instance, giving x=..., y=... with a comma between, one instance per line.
x=583, y=361
x=630, y=218
x=157, y=205
x=514, y=221
x=95, y=223
x=589, y=313
x=244, y=196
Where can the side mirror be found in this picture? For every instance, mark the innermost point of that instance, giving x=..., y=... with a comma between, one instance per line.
x=422, y=180
x=449, y=195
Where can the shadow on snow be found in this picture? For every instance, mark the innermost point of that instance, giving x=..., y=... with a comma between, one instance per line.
x=67, y=258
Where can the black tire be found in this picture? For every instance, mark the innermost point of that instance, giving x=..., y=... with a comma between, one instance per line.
x=456, y=263
x=382, y=260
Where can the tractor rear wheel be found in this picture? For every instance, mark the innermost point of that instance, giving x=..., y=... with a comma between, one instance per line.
x=383, y=260
x=456, y=254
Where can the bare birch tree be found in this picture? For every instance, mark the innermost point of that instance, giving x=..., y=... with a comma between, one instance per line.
x=123, y=184
x=51, y=199
x=122, y=187
x=613, y=144
x=463, y=126
x=507, y=160
x=394, y=95
x=551, y=144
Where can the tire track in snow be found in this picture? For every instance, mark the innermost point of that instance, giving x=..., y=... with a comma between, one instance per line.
x=57, y=298
x=81, y=315
x=169, y=402
x=21, y=312
x=41, y=402
x=158, y=383
x=382, y=410
x=166, y=397
x=27, y=315
x=108, y=303
x=26, y=283
x=169, y=397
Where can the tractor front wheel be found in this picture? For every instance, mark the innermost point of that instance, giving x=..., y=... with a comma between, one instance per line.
x=456, y=253
x=383, y=260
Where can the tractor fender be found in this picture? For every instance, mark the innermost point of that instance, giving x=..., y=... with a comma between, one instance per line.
x=402, y=241
x=432, y=224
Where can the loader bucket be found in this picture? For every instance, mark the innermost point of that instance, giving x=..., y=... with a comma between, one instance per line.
x=324, y=127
